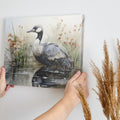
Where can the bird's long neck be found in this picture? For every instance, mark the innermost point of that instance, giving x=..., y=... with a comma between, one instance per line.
x=40, y=34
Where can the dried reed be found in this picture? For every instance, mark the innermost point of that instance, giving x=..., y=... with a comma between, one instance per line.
x=108, y=85
x=86, y=109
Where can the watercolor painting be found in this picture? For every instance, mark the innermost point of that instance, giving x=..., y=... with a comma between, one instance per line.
x=43, y=51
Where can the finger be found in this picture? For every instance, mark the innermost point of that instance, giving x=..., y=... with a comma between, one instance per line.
x=3, y=69
x=7, y=87
x=1, y=95
x=75, y=76
x=0, y=71
x=3, y=73
x=83, y=76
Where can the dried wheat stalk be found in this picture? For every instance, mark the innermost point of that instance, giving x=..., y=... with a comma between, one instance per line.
x=108, y=85
x=86, y=109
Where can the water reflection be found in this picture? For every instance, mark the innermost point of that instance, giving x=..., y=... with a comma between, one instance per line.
x=43, y=77
x=49, y=78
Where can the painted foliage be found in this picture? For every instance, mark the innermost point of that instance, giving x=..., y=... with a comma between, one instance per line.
x=43, y=51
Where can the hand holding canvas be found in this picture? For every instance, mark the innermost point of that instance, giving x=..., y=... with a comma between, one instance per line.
x=3, y=86
x=64, y=107
x=71, y=93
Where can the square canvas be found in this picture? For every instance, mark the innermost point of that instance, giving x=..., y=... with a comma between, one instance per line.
x=43, y=51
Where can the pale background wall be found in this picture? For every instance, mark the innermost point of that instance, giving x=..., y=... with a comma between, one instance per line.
x=102, y=23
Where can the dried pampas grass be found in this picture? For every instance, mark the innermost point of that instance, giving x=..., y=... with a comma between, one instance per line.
x=108, y=84
x=86, y=109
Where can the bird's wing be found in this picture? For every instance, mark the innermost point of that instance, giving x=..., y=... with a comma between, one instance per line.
x=53, y=51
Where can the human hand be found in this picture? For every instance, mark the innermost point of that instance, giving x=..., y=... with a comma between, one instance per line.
x=71, y=93
x=3, y=86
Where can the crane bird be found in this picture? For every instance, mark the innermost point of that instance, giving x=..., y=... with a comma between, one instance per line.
x=49, y=54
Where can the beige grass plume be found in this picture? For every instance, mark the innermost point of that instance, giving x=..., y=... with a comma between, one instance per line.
x=108, y=84
x=86, y=109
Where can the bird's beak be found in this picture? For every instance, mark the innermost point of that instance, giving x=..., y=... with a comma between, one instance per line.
x=31, y=31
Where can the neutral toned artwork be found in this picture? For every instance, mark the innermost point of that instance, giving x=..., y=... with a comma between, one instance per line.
x=43, y=51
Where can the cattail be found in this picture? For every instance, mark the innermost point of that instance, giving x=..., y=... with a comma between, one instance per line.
x=74, y=29
x=75, y=25
x=61, y=20
x=10, y=35
x=73, y=43
x=60, y=34
x=70, y=43
x=65, y=43
x=59, y=38
x=9, y=40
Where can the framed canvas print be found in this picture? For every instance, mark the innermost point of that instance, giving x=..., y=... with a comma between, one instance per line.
x=43, y=51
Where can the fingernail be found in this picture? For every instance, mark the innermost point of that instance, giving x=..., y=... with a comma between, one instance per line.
x=11, y=85
x=78, y=73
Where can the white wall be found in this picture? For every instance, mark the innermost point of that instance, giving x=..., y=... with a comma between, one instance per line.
x=102, y=22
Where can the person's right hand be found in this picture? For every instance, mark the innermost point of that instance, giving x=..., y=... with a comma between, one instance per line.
x=71, y=93
x=3, y=86
x=71, y=99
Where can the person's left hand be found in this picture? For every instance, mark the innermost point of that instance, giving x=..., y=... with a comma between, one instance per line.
x=3, y=86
